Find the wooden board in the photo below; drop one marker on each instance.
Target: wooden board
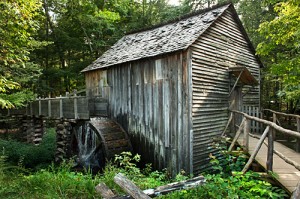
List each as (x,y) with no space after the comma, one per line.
(288,175)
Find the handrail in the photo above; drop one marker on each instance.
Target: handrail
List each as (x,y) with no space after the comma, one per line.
(284,114)
(271,124)
(271,128)
(297,125)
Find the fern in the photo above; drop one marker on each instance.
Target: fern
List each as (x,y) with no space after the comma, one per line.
(3,165)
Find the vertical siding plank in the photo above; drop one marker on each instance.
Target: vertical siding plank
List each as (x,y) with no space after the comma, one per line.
(185,103)
(190,105)
(156,124)
(180,114)
(174,113)
(166,109)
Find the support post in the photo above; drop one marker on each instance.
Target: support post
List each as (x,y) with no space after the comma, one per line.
(228,123)
(270,150)
(274,120)
(246,134)
(75,105)
(60,107)
(298,140)
(237,135)
(40,106)
(258,146)
(49,106)
(232,126)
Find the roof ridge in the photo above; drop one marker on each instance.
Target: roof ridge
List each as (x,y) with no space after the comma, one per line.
(179,18)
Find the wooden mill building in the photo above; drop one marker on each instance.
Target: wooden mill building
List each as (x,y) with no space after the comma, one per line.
(170,86)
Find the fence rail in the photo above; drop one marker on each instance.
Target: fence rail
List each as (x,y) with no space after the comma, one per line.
(70,106)
(270,130)
(289,121)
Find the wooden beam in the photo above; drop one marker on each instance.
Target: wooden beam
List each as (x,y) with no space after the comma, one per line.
(186,184)
(130,187)
(237,135)
(104,191)
(283,114)
(236,82)
(271,124)
(298,139)
(274,120)
(75,105)
(228,123)
(258,146)
(40,106)
(246,134)
(60,107)
(270,150)
(49,106)
(286,159)
(296,192)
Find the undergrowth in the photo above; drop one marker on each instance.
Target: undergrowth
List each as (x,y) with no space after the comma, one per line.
(29,155)
(63,182)
(221,183)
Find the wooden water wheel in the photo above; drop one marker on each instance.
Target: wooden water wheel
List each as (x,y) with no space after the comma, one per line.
(113,137)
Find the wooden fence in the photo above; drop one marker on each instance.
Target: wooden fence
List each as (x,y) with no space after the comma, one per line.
(288,121)
(69,107)
(270,130)
(255,112)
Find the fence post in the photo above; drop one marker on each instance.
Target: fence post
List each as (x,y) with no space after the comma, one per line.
(258,146)
(60,107)
(246,134)
(40,106)
(270,149)
(298,140)
(275,121)
(49,106)
(232,127)
(75,105)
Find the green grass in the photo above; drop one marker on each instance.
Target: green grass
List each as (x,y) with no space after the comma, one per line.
(29,155)
(60,181)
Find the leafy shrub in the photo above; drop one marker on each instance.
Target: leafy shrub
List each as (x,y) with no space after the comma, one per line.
(54,182)
(242,186)
(29,155)
(126,163)
(226,162)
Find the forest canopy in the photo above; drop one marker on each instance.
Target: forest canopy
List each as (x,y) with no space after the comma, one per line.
(44,44)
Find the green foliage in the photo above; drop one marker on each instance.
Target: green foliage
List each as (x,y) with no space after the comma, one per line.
(53,182)
(242,186)
(18,24)
(281,48)
(32,156)
(146,178)
(62,182)
(225,162)
(128,162)
(223,184)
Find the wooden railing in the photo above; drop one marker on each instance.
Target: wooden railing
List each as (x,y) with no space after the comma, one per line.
(269,131)
(282,119)
(70,106)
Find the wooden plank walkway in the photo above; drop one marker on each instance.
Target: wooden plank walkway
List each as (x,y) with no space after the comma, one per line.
(288,175)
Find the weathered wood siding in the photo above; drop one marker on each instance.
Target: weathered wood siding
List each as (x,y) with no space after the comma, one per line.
(150,99)
(96,83)
(221,46)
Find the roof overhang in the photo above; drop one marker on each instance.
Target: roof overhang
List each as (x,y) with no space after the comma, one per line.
(244,75)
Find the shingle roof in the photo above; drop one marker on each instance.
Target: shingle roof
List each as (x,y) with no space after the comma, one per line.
(164,39)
